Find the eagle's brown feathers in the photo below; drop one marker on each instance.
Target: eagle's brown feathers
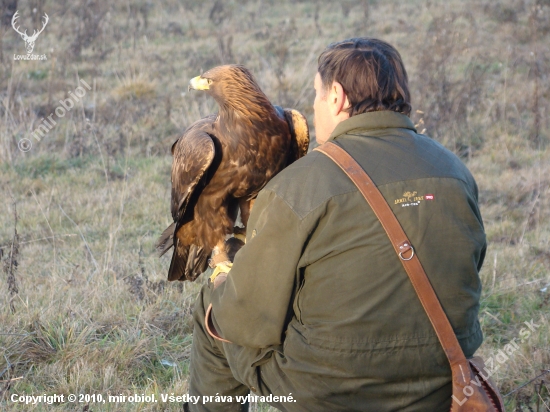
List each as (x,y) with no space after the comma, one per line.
(222,160)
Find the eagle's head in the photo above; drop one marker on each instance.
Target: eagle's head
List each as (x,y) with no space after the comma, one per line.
(234,88)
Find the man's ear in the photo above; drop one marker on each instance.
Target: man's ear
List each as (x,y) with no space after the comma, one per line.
(338,100)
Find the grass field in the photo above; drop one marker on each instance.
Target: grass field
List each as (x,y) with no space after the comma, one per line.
(84,306)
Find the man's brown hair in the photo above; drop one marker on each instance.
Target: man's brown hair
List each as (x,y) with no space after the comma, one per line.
(371,73)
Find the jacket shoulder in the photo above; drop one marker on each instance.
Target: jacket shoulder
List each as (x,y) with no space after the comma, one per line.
(309,182)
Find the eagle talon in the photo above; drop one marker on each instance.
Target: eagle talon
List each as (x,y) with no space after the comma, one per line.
(223,267)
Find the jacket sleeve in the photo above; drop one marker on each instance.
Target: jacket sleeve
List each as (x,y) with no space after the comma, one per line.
(250,308)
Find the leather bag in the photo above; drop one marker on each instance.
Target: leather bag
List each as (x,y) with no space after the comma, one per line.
(473,391)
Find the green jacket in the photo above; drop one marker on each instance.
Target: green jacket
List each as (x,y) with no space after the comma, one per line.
(318,286)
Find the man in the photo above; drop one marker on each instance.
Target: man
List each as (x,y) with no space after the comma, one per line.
(317,304)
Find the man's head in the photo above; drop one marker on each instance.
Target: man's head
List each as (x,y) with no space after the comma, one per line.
(357,76)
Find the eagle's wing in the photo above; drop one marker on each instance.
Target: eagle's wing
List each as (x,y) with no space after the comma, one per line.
(193,153)
(192,156)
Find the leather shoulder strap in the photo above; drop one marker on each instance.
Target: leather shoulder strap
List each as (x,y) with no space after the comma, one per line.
(405,251)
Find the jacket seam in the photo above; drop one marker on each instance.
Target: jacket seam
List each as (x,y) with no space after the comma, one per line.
(397,339)
(421,178)
(405,343)
(324,202)
(352,190)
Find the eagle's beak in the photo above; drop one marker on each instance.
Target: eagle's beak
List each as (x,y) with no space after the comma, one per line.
(199,83)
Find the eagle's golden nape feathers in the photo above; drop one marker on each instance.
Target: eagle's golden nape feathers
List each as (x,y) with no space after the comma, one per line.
(221,163)
(247,100)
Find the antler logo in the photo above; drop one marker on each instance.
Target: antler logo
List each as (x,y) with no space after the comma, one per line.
(408,195)
(29,40)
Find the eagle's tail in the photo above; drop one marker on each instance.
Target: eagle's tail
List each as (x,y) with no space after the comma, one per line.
(188,262)
(166,240)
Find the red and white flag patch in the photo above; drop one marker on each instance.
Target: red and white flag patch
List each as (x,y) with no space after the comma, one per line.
(429,197)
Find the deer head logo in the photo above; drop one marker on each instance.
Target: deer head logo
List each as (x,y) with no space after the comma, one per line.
(29,40)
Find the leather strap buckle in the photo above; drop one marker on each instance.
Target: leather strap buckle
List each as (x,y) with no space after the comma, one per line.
(405,247)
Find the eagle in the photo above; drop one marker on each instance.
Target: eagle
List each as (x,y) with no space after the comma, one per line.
(221,162)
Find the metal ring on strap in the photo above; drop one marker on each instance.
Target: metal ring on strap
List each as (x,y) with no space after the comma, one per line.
(406,259)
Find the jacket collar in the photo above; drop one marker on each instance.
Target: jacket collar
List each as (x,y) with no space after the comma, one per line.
(373,120)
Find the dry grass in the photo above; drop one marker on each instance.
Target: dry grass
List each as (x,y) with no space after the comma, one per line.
(83,303)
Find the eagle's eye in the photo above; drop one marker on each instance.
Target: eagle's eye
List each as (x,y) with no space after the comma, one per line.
(210,81)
